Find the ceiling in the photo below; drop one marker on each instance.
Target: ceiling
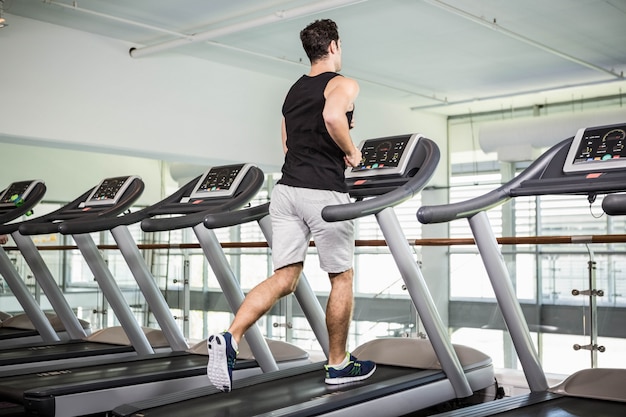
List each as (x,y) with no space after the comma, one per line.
(443,56)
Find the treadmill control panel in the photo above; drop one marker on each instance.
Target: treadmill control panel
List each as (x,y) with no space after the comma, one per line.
(16,192)
(220,181)
(597,148)
(109,191)
(384,156)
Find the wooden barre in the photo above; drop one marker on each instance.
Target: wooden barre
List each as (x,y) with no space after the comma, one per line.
(521,240)
(527,240)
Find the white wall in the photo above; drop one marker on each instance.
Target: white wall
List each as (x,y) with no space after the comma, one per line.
(67,90)
(70,88)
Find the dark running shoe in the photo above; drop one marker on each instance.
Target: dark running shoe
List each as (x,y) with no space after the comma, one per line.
(355,370)
(222,358)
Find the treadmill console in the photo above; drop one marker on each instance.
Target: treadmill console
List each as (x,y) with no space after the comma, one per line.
(597,149)
(109,191)
(220,181)
(17,190)
(384,156)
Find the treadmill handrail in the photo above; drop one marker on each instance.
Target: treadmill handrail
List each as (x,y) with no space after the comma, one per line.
(50,223)
(256,178)
(349,211)
(80,226)
(233,218)
(614,204)
(464,209)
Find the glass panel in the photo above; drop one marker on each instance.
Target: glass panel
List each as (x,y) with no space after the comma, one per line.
(468,278)
(488,341)
(613,356)
(561,274)
(526,276)
(254,268)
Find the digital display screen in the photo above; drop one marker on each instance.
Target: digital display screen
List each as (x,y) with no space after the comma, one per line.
(220,181)
(384,156)
(597,148)
(109,191)
(20,189)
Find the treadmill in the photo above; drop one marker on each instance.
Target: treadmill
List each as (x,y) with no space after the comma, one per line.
(591,163)
(98,386)
(220,190)
(32,326)
(411,374)
(17,200)
(109,198)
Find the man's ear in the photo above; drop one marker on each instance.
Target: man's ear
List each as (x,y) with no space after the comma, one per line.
(332,48)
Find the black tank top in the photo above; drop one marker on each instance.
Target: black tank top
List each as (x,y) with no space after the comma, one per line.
(313,159)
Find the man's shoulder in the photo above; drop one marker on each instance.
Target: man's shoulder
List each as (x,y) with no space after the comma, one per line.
(343,82)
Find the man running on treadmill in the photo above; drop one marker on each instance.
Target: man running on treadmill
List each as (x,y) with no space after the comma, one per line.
(317,117)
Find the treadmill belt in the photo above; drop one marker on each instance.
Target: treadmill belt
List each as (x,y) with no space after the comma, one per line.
(69,380)
(304,393)
(11,410)
(542,404)
(62,350)
(13,333)
(571,407)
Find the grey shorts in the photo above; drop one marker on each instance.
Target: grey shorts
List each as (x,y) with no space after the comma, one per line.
(296,215)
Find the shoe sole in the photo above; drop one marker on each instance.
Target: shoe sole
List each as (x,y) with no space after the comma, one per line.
(217,368)
(348,379)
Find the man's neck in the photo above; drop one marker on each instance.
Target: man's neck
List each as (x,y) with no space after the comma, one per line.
(321,67)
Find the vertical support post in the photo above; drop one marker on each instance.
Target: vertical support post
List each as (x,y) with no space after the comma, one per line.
(48,285)
(420,295)
(113,294)
(26,300)
(288,319)
(149,289)
(186,295)
(233,293)
(593,309)
(592,293)
(507,301)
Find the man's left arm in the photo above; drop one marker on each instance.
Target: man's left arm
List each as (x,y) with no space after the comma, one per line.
(283,134)
(339,100)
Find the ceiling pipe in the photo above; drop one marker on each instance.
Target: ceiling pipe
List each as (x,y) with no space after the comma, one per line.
(282,15)
(74,6)
(511,95)
(493,25)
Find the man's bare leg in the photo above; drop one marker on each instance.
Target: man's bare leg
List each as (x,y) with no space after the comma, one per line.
(339,314)
(222,347)
(262,297)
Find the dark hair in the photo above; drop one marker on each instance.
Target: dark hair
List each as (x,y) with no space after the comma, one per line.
(316,38)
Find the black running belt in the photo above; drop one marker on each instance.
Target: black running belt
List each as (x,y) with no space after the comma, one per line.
(11,410)
(68,380)
(304,393)
(58,351)
(544,404)
(571,407)
(12,333)
(73,379)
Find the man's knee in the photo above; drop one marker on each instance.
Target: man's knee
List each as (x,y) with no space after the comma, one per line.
(345,275)
(288,277)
